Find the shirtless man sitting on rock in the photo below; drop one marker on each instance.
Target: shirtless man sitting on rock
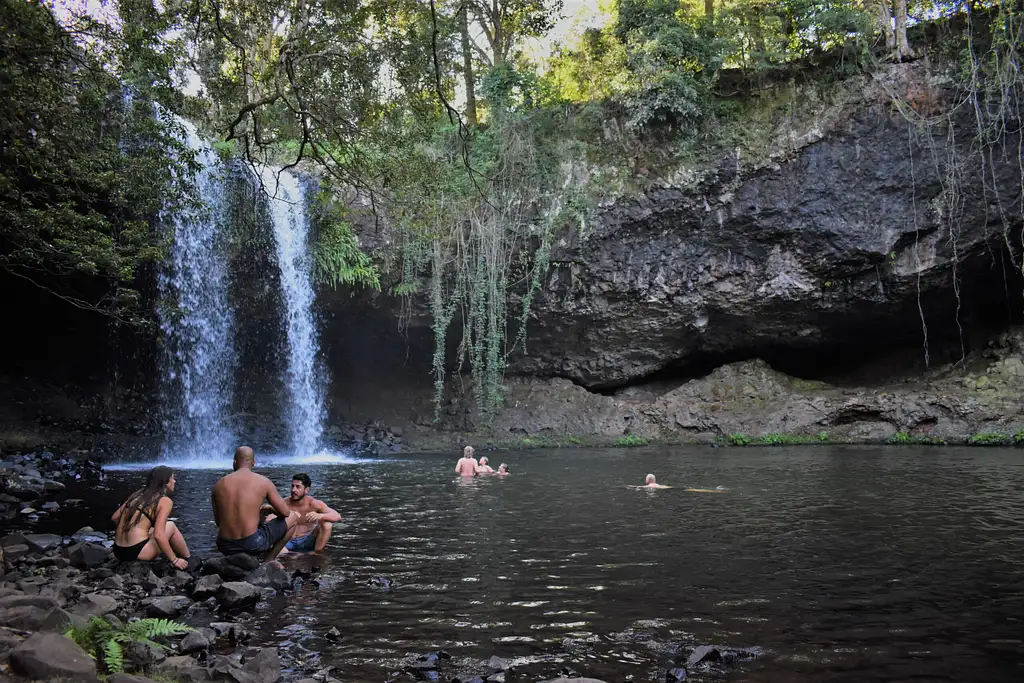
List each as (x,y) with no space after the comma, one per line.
(237,500)
(316,518)
(467,466)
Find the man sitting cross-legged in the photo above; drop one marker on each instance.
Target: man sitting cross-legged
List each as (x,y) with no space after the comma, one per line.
(316,519)
(237,501)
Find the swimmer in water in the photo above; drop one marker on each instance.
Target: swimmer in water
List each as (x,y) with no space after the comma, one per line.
(467,466)
(651,483)
(503,470)
(484,468)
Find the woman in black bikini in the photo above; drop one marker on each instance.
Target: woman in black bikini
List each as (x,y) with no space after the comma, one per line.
(143,530)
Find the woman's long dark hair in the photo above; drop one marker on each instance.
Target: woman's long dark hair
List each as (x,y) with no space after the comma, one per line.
(145,499)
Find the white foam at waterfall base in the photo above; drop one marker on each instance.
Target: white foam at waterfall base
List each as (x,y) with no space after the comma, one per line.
(304,377)
(323,457)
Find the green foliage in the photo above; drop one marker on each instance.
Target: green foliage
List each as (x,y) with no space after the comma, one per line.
(1018,438)
(630,441)
(103,642)
(83,171)
(900,438)
(822,436)
(989,439)
(337,258)
(739,439)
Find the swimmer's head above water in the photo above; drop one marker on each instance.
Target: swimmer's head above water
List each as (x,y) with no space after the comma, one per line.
(483,460)
(649,479)
(467,452)
(503,469)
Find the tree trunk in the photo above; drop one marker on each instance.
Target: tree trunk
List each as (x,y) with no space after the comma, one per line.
(467,68)
(902,44)
(709,10)
(885,21)
(497,45)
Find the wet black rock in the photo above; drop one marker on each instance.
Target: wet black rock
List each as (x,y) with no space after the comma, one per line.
(379,582)
(46,656)
(169,607)
(703,653)
(88,555)
(270,575)
(675,675)
(496,663)
(87,534)
(234,594)
(32,613)
(234,633)
(333,634)
(207,587)
(232,567)
(40,543)
(94,604)
(197,641)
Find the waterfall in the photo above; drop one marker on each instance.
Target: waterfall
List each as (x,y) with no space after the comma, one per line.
(304,382)
(196,320)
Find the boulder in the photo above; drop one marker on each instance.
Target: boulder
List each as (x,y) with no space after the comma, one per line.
(207,587)
(704,653)
(13,552)
(197,641)
(32,613)
(169,607)
(223,568)
(496,663)
(94,604)
(13,539)
(244,561)
(46,656)
(40,543)
(238,594)
(87,555)
(181,668)
(87,534)
(235,633)
(266,666)
(270,575)
(114,582)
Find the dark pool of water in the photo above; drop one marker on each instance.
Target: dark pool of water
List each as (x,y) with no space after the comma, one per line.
(843,564)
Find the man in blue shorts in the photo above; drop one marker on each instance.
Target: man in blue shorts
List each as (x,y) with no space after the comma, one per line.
(316,519)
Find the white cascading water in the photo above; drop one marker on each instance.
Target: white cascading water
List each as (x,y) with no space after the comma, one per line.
(197,321)
(304,381)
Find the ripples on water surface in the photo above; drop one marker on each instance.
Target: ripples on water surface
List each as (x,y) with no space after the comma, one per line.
(843,564)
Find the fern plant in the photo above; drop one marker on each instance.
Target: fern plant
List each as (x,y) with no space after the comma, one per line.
(104,642)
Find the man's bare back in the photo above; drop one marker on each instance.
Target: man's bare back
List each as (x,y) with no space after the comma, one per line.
(467,467)
(237,499)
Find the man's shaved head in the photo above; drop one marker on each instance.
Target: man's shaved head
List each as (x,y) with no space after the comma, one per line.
(244,457)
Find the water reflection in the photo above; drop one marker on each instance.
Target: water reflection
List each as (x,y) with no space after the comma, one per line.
(843,564)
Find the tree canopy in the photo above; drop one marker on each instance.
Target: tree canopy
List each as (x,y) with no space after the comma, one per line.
(473,150)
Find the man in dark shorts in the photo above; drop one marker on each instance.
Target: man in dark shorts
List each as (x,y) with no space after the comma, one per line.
(237,499)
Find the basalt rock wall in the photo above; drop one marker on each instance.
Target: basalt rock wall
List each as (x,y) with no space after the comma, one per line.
(867,251)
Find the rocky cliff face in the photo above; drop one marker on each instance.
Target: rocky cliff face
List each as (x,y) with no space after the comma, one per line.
(868,236)
(855,243)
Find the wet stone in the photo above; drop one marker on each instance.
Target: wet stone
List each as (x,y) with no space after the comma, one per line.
(169,607)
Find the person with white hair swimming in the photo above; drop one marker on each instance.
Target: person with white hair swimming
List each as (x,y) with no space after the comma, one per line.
(650,482)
